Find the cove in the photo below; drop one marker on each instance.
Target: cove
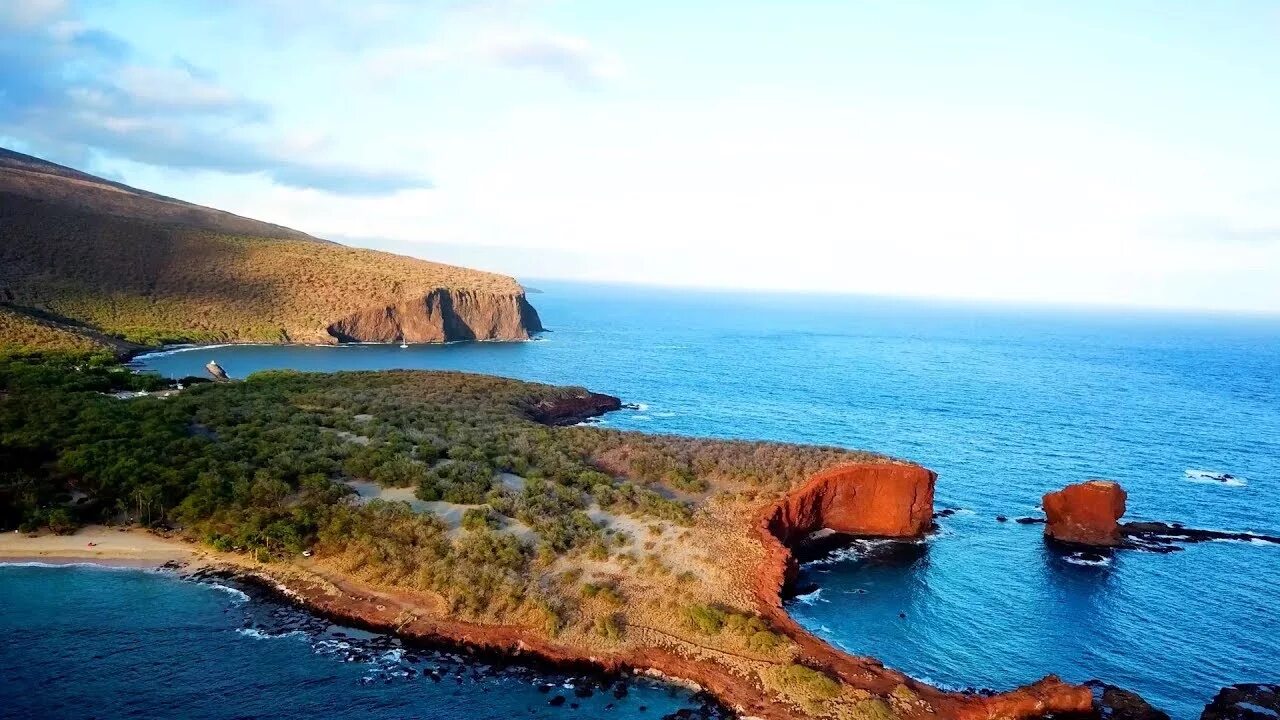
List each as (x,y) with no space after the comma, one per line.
(1004,403)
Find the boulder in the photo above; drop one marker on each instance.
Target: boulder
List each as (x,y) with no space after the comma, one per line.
(1115,703)
(1247,701)
(1085,513)
(216,371)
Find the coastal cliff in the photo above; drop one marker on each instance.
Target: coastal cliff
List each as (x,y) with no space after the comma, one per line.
(442,315)
(95,258)
(881,500)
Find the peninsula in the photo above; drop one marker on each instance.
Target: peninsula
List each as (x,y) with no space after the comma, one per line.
(435,505)
(89,263)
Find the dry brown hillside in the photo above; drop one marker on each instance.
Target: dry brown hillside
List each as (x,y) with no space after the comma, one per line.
(86,251)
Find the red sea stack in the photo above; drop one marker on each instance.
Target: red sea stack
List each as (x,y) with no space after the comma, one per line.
(1085,513)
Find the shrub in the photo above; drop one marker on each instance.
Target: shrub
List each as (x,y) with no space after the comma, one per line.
(479,519)
(609,627)
(804,686)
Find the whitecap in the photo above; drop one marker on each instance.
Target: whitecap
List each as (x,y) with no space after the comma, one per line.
(664,414)
(72,564)
(856,550)
(260,635)
(1213,477)
(810,598)
(238,594)
(1087,562)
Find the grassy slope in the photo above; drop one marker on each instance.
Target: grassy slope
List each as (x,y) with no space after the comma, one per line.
(152,269)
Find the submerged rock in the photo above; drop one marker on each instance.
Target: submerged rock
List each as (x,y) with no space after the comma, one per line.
(1086,513)
(1246,701)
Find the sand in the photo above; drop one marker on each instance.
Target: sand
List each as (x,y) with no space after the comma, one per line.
(110,546)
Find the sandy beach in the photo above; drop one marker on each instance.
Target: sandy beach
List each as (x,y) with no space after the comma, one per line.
(96,544)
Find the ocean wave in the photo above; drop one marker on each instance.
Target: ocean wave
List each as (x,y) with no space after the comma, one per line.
(1087,562)
(82,565)
(238,594)
(857,549)
(810,598)
(261,635)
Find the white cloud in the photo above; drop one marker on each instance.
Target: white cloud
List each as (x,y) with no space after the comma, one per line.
(567,57)
(571,58)
(68,90)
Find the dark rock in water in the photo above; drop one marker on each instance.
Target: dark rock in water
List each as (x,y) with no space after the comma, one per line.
(945,512)
(573,409)
(545,688)
(1001,518)
(1114,703)
(805,588)
(1159,537)
(620,691)
(216,371)
(556,701)
(583,691)
(1246,701)
(1029,521)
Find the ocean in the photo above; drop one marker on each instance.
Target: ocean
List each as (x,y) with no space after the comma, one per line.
(90,642)
(1005,403)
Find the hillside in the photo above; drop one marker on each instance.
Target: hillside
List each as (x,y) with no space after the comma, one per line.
(81,251)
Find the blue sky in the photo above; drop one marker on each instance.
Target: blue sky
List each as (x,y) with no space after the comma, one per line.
(1087,152)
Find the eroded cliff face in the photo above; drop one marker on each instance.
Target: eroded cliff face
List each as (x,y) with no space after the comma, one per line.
(1086,513)
(885,500)
(874,499)
(442,315)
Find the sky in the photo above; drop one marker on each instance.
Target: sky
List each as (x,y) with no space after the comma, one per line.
(1092,152)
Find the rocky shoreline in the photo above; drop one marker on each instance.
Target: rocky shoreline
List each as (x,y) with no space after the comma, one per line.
(829,497)
(834,499)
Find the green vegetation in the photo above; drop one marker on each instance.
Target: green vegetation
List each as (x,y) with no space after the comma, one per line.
(751,631)
(20,333)
(804,686)
(260,467)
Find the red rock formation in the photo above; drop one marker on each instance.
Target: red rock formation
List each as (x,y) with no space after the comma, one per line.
(441,316)
(876,499)
(1085,513)
(888,500)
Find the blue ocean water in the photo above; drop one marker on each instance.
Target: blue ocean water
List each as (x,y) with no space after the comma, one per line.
(84,642)
(1005,404)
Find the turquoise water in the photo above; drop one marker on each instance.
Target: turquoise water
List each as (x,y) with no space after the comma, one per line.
(83,642)
(1005,404)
